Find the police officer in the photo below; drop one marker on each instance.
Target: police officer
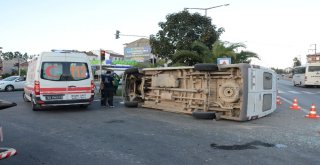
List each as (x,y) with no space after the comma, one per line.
(107,89)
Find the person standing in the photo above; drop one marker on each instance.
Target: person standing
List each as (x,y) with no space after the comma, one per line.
(108,89)
(116,82)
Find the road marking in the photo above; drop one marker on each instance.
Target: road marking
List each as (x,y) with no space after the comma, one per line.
(294,92)
(290,102)
(279,91)
(308,92)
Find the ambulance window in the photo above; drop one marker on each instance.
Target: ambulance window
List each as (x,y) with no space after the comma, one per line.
(51,70)
(79,71)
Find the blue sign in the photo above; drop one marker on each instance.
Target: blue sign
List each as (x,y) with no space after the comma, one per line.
(137,51)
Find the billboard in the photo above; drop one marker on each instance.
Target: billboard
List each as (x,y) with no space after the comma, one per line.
(139,54)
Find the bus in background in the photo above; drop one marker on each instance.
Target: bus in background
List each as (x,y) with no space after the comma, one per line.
(307,75)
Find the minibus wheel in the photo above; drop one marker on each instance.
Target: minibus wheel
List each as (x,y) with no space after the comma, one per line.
(203,115)
(131,104)
(206,67)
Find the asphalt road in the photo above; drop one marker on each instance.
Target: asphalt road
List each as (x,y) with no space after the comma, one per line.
(71,135)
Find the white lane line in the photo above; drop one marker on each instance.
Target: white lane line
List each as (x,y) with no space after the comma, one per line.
(294,92)
(308,92)
(279,91)
(290,102)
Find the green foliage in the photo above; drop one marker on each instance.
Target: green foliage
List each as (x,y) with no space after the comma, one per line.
(180,31)
(223,49)
(143,65)
(23,72)
(245,57)
(186,57)
(202,50)
(11,55)
(296,62)
(227,49)
(6,75)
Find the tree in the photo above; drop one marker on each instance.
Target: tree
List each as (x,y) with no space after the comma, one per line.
(227,49)
(7,56)
(221,49)
(245,57)
(17,54)
(199,53)
(179,33)
(186,57)
(296,62)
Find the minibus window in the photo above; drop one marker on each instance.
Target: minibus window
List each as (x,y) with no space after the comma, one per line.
(267,81)
(314,68)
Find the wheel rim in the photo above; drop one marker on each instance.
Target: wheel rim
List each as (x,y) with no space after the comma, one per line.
(9,88)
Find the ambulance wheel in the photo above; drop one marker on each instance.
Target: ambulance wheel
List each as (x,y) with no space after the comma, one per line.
(24,97)
(206,67)
(84,106)
(35,106)
(131,104)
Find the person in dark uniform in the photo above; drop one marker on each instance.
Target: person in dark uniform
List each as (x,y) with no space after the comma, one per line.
(107,89)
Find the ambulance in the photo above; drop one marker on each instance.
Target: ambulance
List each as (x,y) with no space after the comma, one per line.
(58,78)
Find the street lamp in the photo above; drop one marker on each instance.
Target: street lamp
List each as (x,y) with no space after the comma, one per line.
(205,9)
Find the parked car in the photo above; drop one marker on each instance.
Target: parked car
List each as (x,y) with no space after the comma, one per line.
(12,83)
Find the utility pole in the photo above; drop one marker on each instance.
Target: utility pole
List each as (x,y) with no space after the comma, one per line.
(315,49)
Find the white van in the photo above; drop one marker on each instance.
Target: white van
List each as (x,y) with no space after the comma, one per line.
(307,75)
(59,78)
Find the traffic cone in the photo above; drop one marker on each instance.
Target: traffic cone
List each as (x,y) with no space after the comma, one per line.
(295,105)
(313,112)
(278,100)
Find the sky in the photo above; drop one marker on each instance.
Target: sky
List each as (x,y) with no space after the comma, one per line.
(277,30)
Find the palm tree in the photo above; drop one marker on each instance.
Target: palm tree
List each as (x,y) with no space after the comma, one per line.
(223,49)
(199,53)
(227,49)
(245,57)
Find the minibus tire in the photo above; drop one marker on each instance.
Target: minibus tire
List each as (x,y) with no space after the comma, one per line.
(131,104)
(203,115)
(131,71)
(206,67)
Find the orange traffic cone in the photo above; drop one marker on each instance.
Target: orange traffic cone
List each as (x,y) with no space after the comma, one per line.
(313,112)
(278,100)
(295,105)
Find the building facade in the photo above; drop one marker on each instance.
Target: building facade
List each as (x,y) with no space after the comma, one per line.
(313,58)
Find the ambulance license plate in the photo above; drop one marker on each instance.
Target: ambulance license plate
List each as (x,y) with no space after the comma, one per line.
(54,97)
(81,96)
